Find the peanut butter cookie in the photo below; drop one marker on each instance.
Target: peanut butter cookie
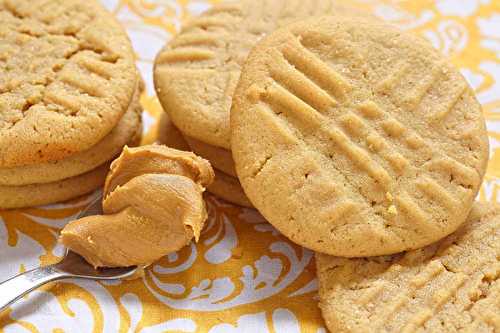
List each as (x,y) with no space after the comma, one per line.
(197,71)
(450,286)
(105,150)
(167,134)
(48,193)
(355,138)
(67,76)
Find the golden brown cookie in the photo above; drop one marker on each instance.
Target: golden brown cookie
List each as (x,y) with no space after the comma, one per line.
(357,139)
(169,135)
(196,73)
(43,194)
(450,286)
(129,126)
(67,76)
(220,158)
(229,189)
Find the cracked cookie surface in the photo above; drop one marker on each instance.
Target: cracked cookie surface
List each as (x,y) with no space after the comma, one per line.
(450,286)
(197,71)
(67,75)
(129,127)
(357,139)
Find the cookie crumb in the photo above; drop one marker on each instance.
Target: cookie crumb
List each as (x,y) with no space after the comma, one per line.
(254,93)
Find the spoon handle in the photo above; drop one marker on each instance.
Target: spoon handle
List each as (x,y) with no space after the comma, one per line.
(18,286)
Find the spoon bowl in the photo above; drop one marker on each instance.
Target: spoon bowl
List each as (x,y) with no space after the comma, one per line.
(71,266)
(74,264)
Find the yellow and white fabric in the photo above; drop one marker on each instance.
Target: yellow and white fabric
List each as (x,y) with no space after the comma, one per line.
(243,276)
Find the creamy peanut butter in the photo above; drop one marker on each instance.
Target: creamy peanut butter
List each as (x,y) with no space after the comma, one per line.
(153,205)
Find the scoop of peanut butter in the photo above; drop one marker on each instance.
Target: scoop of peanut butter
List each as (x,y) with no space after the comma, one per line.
(153,205)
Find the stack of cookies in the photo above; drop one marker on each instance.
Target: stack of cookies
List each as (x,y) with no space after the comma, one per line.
(197,71)
(353,138)
(69,99)
(356,140)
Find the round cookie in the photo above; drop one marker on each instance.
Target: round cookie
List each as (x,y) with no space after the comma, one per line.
(220,158)
(229,189)
(67,75)
(196,73)
(450,286)
(357,139)
(44,194)
(47,172)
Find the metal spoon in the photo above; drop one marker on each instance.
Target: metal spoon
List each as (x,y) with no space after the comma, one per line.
(71,266)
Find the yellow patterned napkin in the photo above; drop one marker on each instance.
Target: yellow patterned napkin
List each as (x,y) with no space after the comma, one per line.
(242,276)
